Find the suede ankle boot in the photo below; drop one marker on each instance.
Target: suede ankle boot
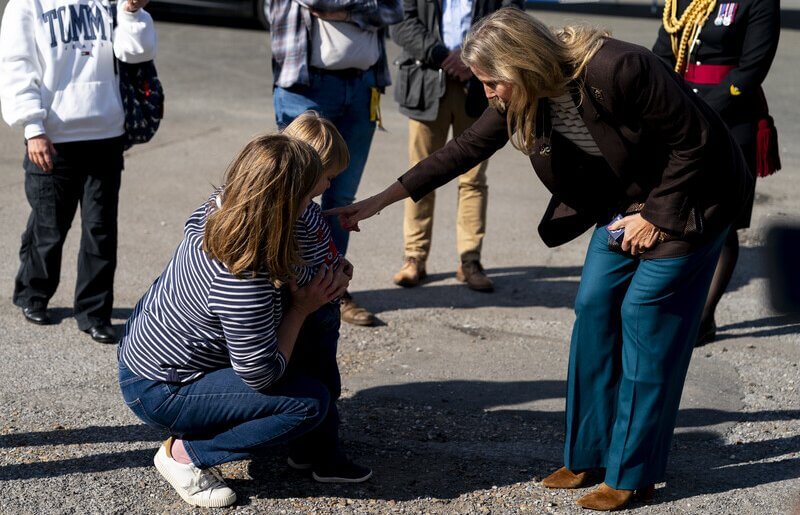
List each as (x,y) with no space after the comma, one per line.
(565,478)
(605,498)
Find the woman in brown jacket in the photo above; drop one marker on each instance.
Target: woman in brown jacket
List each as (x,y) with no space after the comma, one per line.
(625,148)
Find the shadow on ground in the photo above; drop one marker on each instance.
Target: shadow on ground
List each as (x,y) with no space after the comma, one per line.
(442,440)
(761,328)
(59,314)
(524,286)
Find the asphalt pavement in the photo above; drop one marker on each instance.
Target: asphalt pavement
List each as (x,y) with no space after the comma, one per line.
(456,398)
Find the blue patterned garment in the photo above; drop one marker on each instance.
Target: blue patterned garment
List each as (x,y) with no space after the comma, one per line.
(198,317)
(290,23)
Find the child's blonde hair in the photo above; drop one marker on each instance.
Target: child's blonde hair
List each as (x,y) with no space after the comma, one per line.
(252,231)
(321,134)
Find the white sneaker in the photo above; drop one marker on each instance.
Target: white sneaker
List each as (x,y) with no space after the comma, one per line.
(199,487)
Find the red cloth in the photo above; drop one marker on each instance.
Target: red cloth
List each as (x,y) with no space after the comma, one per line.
(706,74)
(768,159)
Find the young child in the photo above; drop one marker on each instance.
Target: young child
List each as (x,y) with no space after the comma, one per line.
(312,230)
(204,355)
(316,355)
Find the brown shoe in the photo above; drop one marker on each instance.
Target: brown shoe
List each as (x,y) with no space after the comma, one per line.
(471,272)
(354,314)
(565,478)
(411,273)
(605,498)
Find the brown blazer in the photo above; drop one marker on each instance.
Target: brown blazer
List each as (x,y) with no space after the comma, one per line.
(661,145)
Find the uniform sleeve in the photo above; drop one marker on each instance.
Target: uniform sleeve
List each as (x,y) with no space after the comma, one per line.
(479,142)
(655,96)
(758,51)
(20,70)
(135,36)
(416,40)
(246,311)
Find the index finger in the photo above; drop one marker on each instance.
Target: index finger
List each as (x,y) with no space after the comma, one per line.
(319,276)
(48,160)
(335,211)
(616,225)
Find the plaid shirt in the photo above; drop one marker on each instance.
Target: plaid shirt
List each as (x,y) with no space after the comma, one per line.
(290,25)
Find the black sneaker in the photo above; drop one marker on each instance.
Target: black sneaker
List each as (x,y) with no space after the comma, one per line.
(297,463)
(341,470)
(707,334)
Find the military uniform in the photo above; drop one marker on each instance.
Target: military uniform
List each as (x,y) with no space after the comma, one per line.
(726,66)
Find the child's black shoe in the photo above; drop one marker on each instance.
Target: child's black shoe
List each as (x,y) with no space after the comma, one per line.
(340,469)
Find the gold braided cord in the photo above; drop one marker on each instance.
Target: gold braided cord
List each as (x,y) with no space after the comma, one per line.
(684,30)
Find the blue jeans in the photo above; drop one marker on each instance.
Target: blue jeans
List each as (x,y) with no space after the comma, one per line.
(635,328)
(222,419)
(344,101)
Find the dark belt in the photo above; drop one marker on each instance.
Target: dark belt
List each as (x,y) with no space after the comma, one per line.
(347,73)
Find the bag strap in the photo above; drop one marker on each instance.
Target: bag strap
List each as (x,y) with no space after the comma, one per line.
(112,8)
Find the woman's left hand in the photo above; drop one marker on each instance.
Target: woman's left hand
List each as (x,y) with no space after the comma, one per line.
(639,236)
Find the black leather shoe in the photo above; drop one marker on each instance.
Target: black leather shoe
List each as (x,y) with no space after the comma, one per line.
(36,315)
(708,333)
(102,333)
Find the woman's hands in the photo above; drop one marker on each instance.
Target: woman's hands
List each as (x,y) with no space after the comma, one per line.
(639,236)
(349,216)
(455,67)
(324,287)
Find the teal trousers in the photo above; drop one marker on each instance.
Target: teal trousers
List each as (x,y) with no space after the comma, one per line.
(635,328)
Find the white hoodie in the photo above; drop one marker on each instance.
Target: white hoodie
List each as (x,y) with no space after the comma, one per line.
(57,66)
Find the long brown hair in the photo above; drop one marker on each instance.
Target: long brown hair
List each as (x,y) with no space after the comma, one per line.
(252,231)
(513,47)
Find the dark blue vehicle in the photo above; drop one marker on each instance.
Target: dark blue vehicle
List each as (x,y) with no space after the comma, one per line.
(244,9)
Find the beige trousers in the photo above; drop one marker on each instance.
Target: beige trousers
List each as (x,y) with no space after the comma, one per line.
(423,139)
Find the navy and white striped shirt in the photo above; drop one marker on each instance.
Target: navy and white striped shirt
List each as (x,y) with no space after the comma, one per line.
(198,317)
(567,120)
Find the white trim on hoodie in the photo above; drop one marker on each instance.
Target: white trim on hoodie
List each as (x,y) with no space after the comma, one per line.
(57,66)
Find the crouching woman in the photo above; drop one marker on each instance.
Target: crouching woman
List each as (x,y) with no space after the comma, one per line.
(204,355)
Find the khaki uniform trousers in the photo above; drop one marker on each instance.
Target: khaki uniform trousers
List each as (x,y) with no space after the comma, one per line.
(424,138)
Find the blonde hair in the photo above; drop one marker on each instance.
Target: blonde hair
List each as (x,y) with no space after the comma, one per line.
(323,136)
(252,231)
(683,31)
(513,47)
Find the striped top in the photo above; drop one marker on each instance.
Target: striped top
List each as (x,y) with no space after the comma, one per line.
(198,317)
(567,121)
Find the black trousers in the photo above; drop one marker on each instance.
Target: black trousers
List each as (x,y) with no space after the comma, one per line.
(314,356)
(85,173)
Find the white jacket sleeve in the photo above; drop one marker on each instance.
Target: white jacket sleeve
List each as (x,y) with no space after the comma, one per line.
(20,70)
(135,36)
